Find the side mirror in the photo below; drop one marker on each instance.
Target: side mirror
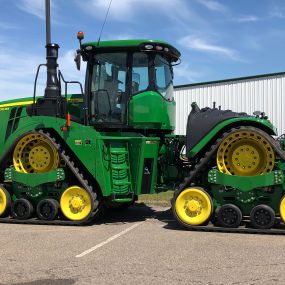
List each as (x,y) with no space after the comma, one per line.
(77,59)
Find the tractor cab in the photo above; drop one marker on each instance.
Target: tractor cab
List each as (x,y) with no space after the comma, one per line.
(129,83)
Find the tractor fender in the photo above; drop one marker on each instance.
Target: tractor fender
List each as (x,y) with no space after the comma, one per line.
(205,137)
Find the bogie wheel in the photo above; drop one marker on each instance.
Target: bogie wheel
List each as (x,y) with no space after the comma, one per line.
(228,216)
(76,203)
(245,152)
(282,209)
(22,209)
(5,202)
(193,206)
(47,209)
(35,154)
(262,217)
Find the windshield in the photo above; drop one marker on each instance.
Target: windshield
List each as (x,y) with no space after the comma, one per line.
(140,72)
(116,76)
(164,77)
(108,88)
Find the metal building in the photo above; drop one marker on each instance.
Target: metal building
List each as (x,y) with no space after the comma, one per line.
(245,94)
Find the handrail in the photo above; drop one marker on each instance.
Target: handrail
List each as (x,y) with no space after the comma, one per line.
(35,87)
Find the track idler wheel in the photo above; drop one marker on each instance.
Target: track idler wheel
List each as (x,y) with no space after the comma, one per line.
(245,152)
(35,154)
(22,209)
(5,202)
(193,206)
(282,209)
(262,217)
(228,216)
(47,209)
(76,203)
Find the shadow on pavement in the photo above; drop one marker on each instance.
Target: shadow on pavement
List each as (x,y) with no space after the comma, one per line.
(137,213)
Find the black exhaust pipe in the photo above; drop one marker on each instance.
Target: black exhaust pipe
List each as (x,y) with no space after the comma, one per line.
(52,103)
(52,89)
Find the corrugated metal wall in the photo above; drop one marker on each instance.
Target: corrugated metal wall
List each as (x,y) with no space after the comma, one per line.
(247,95)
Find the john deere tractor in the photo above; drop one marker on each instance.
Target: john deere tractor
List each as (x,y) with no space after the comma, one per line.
(64,157)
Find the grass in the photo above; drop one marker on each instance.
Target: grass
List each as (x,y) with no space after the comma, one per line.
(158,199)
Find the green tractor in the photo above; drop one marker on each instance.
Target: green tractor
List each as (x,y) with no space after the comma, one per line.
(64,157)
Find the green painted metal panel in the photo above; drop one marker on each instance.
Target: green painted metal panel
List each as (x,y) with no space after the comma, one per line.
(90,146)
(149,110)
(34,179)
(246,183)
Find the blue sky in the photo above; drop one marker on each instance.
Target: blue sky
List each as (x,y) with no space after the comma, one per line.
(218,39)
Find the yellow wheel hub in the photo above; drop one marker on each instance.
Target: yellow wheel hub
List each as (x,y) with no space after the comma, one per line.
(193,206)
(35,154)
(75,203)
(282,209)
(245,153)
(3,201)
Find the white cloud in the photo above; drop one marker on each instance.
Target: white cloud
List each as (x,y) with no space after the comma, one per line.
(184,72)
(128,10)
(277,12)
(248,18)
(17,74)
(18,70)
(34,7)
(213,5)
(37,8)
(195,43)
(7,26)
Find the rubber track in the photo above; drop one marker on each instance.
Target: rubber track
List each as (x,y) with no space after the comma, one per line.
(240,230)
(75,170)
(203,163)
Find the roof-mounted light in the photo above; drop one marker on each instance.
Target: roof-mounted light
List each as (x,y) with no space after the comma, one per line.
(80,35)
(159,48)
(148,47)
(88,48)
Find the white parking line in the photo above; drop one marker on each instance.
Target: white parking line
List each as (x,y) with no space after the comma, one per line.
(108,240)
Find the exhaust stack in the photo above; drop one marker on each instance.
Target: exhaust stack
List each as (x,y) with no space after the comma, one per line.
(52,103)
(52,89)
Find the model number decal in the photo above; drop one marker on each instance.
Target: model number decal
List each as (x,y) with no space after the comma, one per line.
(78,142)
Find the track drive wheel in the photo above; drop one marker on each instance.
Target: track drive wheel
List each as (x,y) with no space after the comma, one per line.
(76,203)
(245,152)
(5,202)
(193,206)
(47,209)
(22,209)
(228,216)
(35,154)
(262,217)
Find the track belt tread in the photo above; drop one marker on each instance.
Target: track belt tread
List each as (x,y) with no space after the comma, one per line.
(36,221)
(241,230)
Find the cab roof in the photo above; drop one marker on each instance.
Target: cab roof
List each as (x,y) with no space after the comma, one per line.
(133,44)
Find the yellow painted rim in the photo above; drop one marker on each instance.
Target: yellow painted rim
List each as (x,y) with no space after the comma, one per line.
(282,209)
(75,203)
(245,153)
(35,154)
(3,201)
(193,206)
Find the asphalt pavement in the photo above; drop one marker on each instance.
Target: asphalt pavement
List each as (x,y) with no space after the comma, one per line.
(141,245)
